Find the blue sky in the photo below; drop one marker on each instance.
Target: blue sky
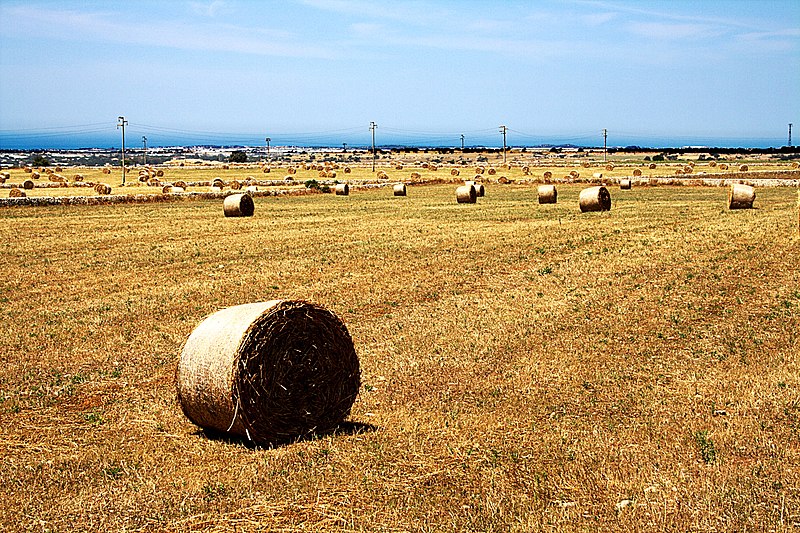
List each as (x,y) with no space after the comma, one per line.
(318,71)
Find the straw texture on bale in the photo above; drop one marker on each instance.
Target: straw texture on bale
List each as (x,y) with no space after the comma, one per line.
(743,168)
(238,205)
(342,189)
(269,372)
(454,172)
(595,199)
(16,193)
(491,171)
(625,184)
(399,189)
(235,185)
(466,194)
(609,167)
(547,194)
(741,196)
(637,172)
(27,184)
(415,175)
(382,175)
(547,175)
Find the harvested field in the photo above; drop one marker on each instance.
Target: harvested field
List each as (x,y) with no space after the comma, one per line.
(628,370)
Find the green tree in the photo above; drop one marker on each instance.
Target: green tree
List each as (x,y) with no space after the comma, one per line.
(40,161)
(238,156)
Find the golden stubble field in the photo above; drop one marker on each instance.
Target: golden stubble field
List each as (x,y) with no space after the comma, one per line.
(524,367)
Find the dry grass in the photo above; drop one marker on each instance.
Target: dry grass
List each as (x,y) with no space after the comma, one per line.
(525,367)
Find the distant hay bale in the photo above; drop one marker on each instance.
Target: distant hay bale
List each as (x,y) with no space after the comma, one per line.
(585,164)
(159,173)
(35,175)
(597,175)
(59,169)
(679,172)
(27,170)
(226,167)
(454,172)
(270,372)
(625,184)
(322,174)
(637,172)
(547,175)
(266,170)
(102,188)
(382,175)
(480,190)
(425,165)
(594,199)
(235,184)
(331,174)
(285,178)
(153,182)
(574,174)
(415,175)
(399,189)
(3,178)
(651,166)
(724,166)
(432,167)
(712,164)
(491,172)
(466,194)
(217,182)
(27,185)
(181,184)
(609,167)
(479,170)
(78,177)
(238,205)
(688,169)
(398,166)
(291,170)
(16,193)
(106,171)
(741,196)
(347,170)
(504,180)
(743,168)
(526,170)
(547,194)
(795,164)
(342,189)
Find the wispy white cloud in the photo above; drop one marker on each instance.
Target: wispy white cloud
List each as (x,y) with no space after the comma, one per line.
(672,30)
(211,8)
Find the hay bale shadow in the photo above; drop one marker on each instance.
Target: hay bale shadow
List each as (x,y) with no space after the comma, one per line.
(345,429)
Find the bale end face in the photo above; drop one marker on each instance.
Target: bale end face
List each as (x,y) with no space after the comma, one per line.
(238,205)
(547,194)
(399,189)
(741,196)
(342,189)
(269,372)
(466,194)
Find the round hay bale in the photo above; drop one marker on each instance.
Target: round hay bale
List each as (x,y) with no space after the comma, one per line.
(106,171)
(651,166)
(332,174)
(269,372)
(59,169)
(342,189)
(169,189)
(181,184)
(585,164)
(322,174)
(35,175)
(399,189)
(712,164)
(479,170)
(688,169)
(597,175)
(78,177)
(454,172)
(3,178)
(595,199)
(625,184)
(637,172)
(238,205)
(398,167)
(102,188)
(741,196)
(27,170)
(433,168)
(382,175)
(16,193)
(466,194)
(235,185)
(503,180)
(724,166)
(547,175)
(609,167)
(347,170)
(415,175)
(159,173)
(480,190)
(547,194)
(574,174)
(491,172)
(27,184)
(795,164)
(291,170)
(217,182)
(526,170)
(743,168)
(425,165)
(285,178)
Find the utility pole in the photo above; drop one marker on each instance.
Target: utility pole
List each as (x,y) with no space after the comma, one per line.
(372,127)
(344,147)
(144,142)
(503,130)
(790,134)
(267,141)
(605,147)
(462,142)
(122,123)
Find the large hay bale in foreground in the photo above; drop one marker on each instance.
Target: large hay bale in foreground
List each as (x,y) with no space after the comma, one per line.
(269,372)
(547,194)
(466,194)
(594,199)
(399,189)
(342,189)
(625,184)
(741,196)
(238,205)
